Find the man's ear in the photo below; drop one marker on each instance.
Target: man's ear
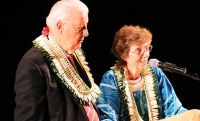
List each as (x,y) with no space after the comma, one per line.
(60,26)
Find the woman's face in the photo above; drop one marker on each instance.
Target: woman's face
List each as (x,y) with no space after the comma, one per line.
(138,55)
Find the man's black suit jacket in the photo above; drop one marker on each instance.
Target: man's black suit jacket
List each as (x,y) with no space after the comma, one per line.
(40,96)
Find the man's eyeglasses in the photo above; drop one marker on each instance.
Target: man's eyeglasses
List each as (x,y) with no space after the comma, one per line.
(81,28)
(141,50)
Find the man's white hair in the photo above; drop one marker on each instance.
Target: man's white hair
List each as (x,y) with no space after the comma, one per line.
(63,9)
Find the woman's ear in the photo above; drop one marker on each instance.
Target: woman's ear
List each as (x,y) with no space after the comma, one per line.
(124,58)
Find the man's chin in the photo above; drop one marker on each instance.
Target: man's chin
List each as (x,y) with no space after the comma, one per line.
(78,47)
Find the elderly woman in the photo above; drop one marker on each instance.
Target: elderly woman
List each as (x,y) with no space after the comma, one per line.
(131,89)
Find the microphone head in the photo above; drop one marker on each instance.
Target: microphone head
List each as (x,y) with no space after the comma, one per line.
(153,63)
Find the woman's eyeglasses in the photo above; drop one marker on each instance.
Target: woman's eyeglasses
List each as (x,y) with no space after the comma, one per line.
(143,49)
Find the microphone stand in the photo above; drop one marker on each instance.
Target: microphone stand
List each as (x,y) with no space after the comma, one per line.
(182,71)
(193,76)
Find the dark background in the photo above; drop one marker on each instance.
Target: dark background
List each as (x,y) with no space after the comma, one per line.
(175,29)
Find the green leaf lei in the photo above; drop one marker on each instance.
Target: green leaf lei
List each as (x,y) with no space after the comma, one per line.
(61,66)
(150,88)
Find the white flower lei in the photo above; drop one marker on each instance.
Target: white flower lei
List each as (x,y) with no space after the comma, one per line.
(65,71)
(149,87)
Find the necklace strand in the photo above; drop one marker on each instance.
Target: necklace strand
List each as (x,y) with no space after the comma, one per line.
(129,98)
(65,71)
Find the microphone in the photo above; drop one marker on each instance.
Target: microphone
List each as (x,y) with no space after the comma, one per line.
(166,66)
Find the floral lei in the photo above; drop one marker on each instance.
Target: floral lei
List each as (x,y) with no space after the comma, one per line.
(150,89)
(66,72)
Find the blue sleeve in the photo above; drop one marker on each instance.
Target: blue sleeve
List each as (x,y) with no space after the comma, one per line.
(170,103)
(109,100)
